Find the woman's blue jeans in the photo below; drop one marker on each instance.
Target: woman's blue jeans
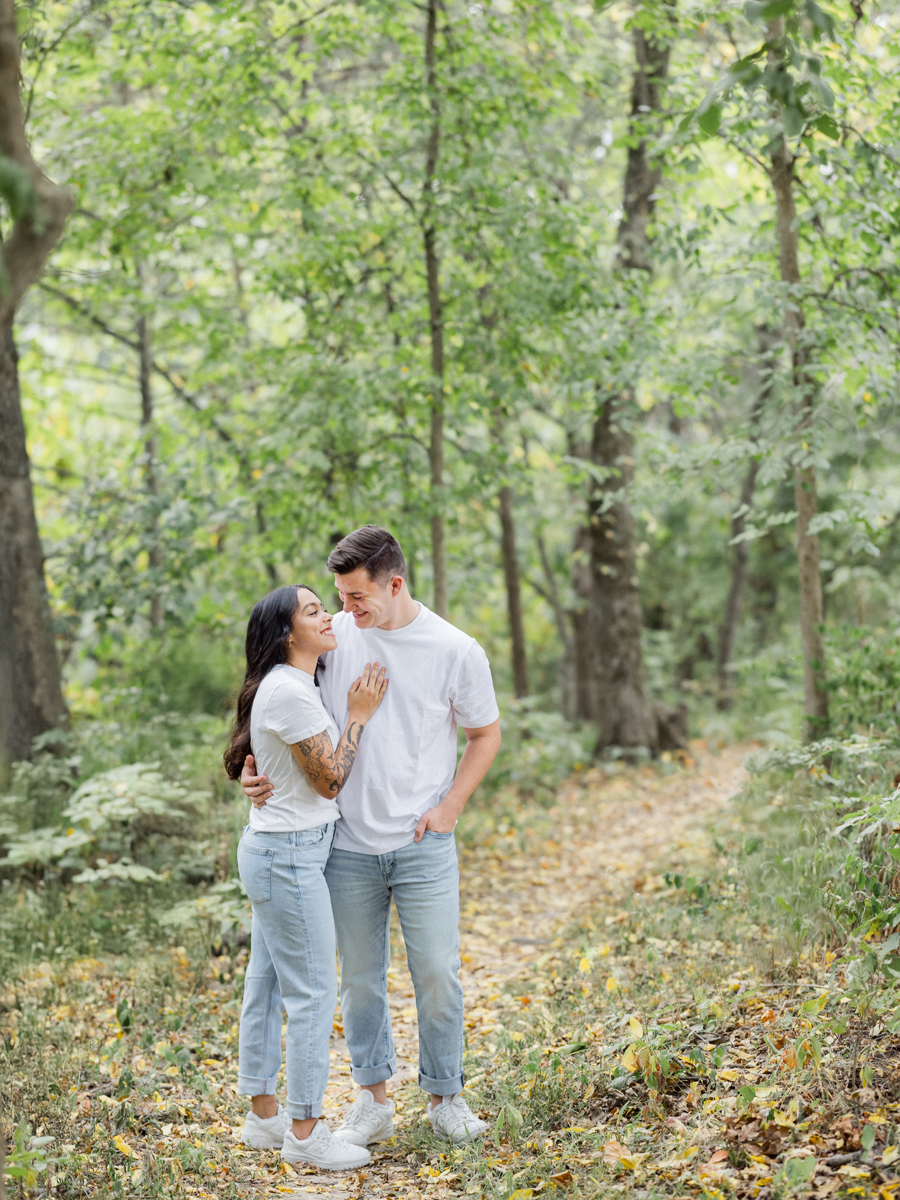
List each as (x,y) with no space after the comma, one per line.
(423,881)
(292,966)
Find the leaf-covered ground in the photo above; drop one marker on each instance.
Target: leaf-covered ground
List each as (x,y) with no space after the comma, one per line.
(629,1029)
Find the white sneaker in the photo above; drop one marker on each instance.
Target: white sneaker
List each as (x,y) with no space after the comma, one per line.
(265,1133)
(455,1122)
(367,1121)
(322,1149)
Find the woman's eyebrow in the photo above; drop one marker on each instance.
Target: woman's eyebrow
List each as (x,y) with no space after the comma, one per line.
(312,604)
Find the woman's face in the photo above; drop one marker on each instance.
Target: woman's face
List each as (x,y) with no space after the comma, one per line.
(311,627)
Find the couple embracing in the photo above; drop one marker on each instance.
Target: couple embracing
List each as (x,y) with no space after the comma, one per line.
(341,824)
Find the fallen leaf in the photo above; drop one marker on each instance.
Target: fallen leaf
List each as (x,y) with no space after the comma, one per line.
(562,1179)
(613,1151)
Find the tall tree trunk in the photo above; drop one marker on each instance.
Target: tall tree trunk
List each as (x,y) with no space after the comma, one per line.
(734,603)
(625,714)
(513,593)
(584,647)
(815,704)
(155,551)
(31,700)
(436,323)
(550,593)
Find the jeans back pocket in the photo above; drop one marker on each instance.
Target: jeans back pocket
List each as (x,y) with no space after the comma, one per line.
(255,867)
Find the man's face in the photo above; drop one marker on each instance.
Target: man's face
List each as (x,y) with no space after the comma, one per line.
(369,602)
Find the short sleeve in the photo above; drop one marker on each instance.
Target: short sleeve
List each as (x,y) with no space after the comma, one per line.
(293,716)
(472,695)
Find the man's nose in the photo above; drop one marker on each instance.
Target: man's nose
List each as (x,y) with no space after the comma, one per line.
(347,604)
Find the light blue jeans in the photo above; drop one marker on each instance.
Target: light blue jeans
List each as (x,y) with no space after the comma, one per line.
(423,880)
(291,968)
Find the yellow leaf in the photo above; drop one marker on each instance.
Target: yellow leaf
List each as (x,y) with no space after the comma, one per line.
(890,1154)
(517,1037)
(522,1194)
(584,966)
(687,1153)
(612,984)
(629,1059)
(631,1162)
(123,1147)
(729,1076)
(173,1070)
(603,950)
(636,1027)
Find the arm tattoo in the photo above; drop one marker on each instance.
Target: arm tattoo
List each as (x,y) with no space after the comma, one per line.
(323,764)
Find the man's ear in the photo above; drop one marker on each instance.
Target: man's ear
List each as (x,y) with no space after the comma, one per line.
(396,584)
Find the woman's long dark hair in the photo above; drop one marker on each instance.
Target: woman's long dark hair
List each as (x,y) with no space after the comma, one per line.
(268,631)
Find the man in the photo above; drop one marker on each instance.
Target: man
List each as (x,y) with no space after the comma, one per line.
(395,837)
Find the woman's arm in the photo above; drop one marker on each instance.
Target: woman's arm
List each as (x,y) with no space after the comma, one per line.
(327,767)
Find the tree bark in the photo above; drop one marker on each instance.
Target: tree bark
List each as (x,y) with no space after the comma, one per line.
(31,700)
(436,323)
(815,704)
(513,593)
(155,551)
(625,714)
(732,616)
(583,645)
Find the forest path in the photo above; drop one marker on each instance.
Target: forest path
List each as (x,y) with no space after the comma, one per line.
(523,888)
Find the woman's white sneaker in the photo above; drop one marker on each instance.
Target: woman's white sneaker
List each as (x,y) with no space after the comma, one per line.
(265,1133)
(455,1122)
(322,1149)
(367,1121)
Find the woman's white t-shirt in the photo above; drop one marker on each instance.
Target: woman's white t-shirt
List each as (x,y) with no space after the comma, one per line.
(286,710)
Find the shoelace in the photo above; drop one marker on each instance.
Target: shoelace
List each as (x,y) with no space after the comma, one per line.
(358,1118)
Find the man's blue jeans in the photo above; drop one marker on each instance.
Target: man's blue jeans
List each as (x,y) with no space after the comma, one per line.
(423,880)
(292,966)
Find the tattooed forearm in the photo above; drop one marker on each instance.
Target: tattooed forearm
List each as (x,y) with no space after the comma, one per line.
(327,768)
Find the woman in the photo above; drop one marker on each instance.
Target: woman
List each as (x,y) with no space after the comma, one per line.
(281,858)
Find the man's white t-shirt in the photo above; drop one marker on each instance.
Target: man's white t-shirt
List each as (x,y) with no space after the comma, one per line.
(286,710)
(439,678)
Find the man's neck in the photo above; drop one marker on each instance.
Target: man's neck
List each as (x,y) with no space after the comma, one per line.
(404,613)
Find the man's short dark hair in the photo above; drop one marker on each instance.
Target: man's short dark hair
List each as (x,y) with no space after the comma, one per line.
(371,547)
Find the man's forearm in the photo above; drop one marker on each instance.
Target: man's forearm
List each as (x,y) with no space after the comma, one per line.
(475,763)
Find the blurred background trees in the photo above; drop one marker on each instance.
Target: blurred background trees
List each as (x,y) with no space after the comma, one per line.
(594,305)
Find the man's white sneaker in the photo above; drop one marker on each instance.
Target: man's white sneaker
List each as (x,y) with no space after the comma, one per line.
(455,1122)
(367,1121)
(265,1133)
(322,1149)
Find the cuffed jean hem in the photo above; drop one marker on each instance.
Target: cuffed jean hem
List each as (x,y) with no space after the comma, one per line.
(366,1076)
(442,1087)
(250,1085)
(302,1112)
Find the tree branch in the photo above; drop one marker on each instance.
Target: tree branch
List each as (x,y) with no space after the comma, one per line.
(37,231)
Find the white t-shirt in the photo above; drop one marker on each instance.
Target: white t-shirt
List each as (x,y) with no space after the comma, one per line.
(286,710)
(439,678)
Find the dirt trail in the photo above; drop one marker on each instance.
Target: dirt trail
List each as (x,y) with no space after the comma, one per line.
(608,838)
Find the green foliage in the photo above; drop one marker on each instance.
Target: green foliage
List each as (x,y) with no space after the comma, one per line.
(102,826)
(29,1157)
(864,682)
